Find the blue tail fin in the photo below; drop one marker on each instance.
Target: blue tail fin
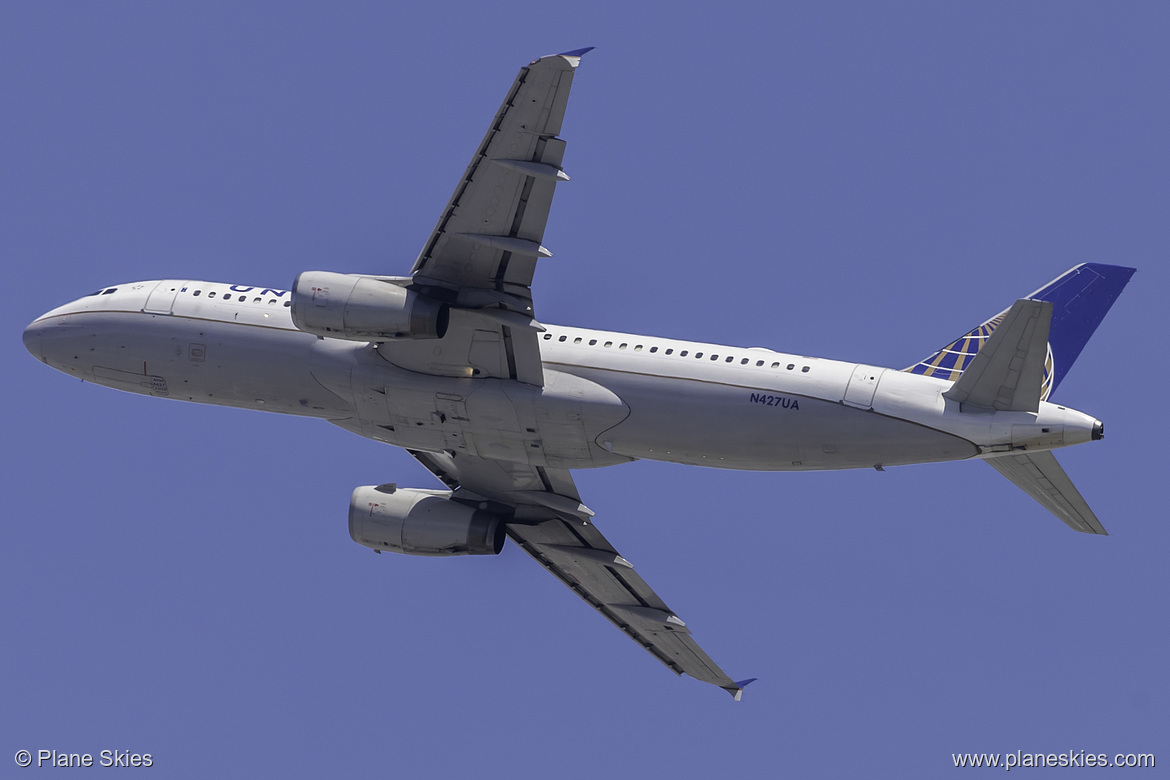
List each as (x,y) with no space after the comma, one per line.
(1081,297)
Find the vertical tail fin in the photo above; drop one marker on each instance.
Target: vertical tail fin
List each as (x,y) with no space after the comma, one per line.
(1080,297)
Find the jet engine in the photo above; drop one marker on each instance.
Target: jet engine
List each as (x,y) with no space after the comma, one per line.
(422,522)
(364,308)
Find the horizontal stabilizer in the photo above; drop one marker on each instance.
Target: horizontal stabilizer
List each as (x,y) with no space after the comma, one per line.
(1007,374)
(1039,475)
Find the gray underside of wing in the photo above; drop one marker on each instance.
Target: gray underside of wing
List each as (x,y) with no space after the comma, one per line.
(490,234)
(495,480)
(551,525)
(1040,475)
(482,253)
(581,557)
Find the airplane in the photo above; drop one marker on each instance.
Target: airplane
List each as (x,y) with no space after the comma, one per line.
(451,364)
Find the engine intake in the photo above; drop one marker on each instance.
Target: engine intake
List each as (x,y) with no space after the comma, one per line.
(422,522)
(364,308)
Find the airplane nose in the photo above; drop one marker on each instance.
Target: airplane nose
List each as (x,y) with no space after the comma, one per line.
(34,339)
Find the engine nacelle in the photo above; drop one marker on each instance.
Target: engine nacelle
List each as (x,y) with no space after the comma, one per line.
(364,308)
(422,522)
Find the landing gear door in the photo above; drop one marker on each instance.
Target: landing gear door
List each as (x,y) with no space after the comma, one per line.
(862,386)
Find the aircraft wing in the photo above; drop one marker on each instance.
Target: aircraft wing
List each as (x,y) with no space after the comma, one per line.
(553,526)
(481,256)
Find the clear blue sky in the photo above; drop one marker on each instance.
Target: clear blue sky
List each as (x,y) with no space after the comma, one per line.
(852,183)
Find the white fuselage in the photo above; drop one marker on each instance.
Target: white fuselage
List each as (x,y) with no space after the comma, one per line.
(607,397)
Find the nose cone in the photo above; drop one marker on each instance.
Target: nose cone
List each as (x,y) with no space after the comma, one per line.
(34,338)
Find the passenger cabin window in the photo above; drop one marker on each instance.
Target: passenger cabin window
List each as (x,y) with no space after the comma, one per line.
(562,338)
(759,362)
(287,304)
(775,365)
(791,366)
(653,349)
(196,293)
(609,343)
(211,294)
(670,351)
(547,336)
(593,342)
(804,370)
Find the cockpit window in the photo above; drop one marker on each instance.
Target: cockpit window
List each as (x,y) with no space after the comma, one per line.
(111,290)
